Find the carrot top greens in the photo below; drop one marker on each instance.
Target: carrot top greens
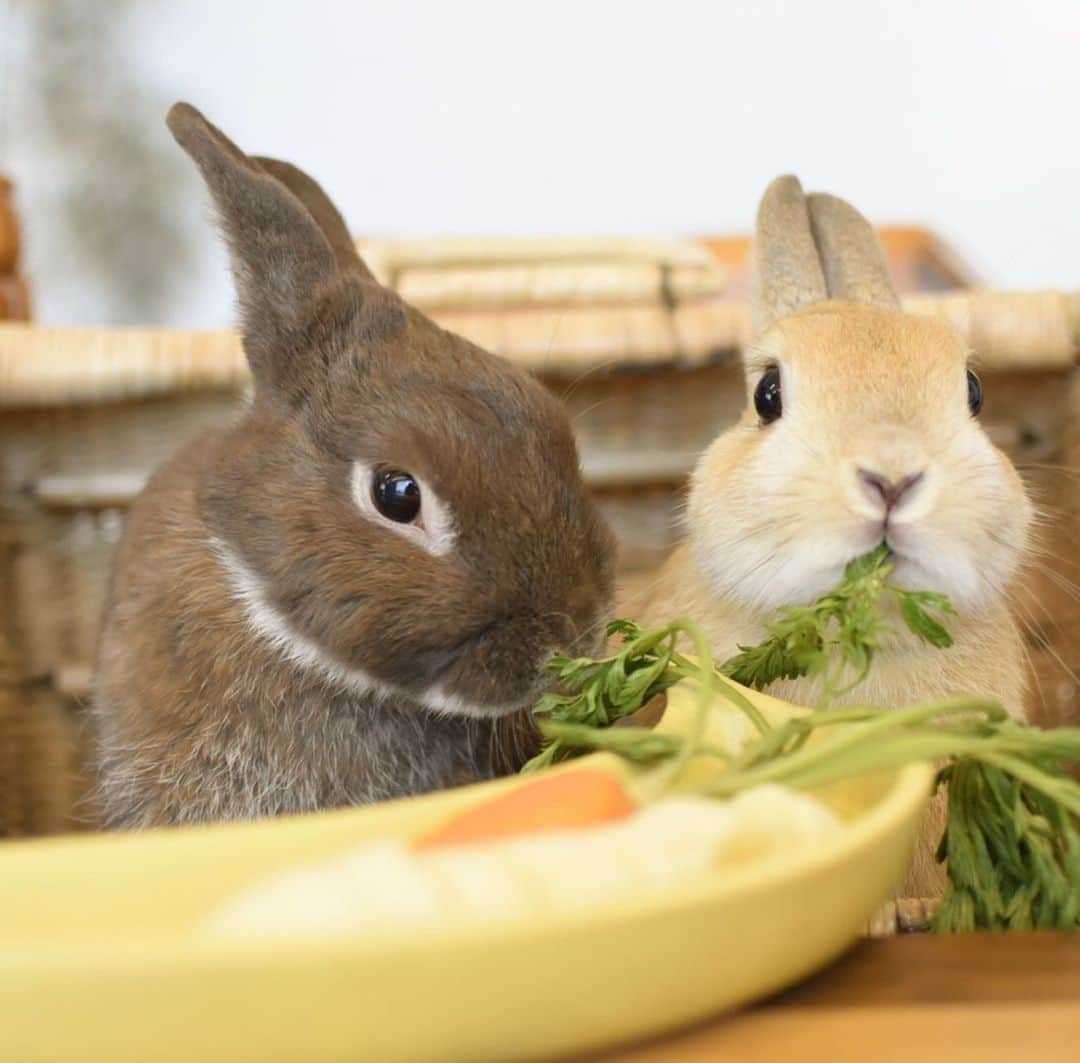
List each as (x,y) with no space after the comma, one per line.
(1012,840)
(837,636)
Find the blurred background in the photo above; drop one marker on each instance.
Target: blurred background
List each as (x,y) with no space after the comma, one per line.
(591,124)
(591,116)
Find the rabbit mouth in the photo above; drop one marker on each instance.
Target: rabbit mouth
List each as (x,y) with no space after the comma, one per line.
(453,691)
(905,566)
(498,666)
(910,572)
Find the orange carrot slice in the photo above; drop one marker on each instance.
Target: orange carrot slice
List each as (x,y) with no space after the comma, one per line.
(572,799)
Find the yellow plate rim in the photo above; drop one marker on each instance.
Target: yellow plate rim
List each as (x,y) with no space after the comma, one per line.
(186,950)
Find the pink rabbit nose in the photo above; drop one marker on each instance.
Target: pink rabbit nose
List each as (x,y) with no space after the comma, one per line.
(890,492)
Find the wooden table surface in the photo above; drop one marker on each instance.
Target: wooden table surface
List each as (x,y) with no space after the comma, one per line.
(917,998)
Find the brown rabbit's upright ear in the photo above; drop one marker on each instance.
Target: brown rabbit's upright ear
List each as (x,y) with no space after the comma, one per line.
(282,261)
(856,266)
(321,208)
(789,273)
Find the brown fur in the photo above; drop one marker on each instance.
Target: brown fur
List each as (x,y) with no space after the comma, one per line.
(200,717)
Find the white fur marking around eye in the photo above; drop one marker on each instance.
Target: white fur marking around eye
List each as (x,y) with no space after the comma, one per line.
(268,622)
(435,530)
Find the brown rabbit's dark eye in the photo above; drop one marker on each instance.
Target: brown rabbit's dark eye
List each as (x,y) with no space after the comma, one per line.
(767,396)
(974,391)
(396,495)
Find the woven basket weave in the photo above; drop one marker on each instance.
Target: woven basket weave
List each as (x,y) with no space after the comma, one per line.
(14,292)
(641,340)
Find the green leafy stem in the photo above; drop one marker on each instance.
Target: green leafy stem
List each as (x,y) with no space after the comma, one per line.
(1012,843)
(838,635)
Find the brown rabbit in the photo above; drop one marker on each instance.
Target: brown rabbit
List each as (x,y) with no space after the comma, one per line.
(346,594)
(860,428)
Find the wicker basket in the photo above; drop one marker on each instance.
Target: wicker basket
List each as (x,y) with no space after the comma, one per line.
(14,292)
(640,339)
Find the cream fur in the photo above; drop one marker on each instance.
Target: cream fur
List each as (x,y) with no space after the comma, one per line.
(776,511)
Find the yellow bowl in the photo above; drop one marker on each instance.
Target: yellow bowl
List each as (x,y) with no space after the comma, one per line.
(98,959)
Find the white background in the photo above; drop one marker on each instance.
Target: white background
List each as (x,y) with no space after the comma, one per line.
(665,117)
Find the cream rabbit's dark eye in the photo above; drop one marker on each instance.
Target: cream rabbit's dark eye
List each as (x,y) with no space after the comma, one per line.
(396,495)
(975,396)
(767,396)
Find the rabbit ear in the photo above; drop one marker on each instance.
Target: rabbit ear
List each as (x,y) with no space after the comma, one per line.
(789,273)
(321,208)
(856,266)
(281,259)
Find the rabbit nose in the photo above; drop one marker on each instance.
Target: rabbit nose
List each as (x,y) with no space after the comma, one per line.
(891,492)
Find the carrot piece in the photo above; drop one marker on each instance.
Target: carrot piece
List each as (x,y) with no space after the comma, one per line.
(582,798)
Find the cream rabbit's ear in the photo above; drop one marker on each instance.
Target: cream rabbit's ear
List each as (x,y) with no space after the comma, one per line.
(813,248)
(856,266)
(789,272)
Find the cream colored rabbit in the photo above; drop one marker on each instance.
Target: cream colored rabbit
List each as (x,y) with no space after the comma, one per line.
(861,429)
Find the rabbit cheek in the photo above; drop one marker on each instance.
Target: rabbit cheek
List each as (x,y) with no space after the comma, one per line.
(963,531)
(768,519)
(971,543)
